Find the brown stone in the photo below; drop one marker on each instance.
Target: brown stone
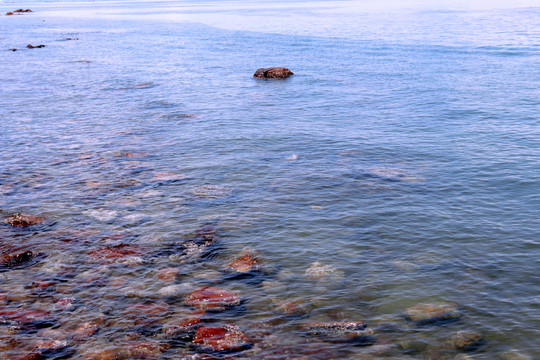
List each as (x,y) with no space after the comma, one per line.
(145,350)
(30,46)
(22,220)
(213,299)
(155,308)
(430,313)
(9,13)
(26,316)
(466,340)
(221,338)
(168,274)
(8,261)
(85,330)
(291,308)
(273,73)
(247,261)
(22,10)
(182,329)
(116,253)
(67,303)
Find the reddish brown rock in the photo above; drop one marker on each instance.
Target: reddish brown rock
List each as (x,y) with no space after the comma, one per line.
(168,274)
(34,355)
(145,350)
(433,313)
(20,259)
(85,330)
(154,308)
(273,73)
(213,299)
(64,304)
(30,46)
(9,13)
(182,329)
(247,261)
(221,338)
(148,314)
(116,253)
(22,10)
(291,308)
(22,220)
(26,316)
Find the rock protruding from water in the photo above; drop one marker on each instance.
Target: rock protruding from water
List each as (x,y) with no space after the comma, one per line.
(433,313)
(273,73)
(22,220)
(213,299)
(355,331)
(30,46)
(19,260)
(18,11)
(221,338)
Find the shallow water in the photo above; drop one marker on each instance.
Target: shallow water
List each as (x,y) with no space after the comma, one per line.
(404,153)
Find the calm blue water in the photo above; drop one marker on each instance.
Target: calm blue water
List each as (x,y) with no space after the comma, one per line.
(404,152)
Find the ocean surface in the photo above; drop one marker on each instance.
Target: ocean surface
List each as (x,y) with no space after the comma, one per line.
(399,165)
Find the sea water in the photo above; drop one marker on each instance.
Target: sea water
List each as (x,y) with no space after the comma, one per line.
(404,154)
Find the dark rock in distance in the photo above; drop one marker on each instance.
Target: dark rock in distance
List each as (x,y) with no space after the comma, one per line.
(273,73)
(30,46)
(22,10)
(221,339)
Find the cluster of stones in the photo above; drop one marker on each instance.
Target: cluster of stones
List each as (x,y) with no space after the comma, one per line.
(18,11)
(157,327)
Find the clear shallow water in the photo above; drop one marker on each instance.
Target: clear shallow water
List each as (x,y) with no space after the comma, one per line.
(404,153)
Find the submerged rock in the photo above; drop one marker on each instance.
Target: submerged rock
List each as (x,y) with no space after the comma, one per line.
(221,338)
(22,220)
(213,299)
(432,313)
(514,355)
(466,340)
(182,329)
(145,350)
(210,192)
(116,253)
(318,271)
(291,307)
(193,248)
(168,274)
(86,330)
(27,317)
(20,260)
(247,261)
(273,73)
(355,331)
(395,174)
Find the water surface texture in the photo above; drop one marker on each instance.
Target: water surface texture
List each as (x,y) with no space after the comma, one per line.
(399,165)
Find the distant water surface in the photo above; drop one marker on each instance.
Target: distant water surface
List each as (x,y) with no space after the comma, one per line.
(404,153)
